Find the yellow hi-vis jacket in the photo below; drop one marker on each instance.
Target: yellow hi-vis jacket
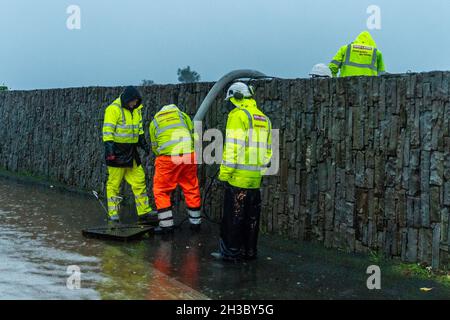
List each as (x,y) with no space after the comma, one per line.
(121,125)
(171,132)
(360,58)
(248,145)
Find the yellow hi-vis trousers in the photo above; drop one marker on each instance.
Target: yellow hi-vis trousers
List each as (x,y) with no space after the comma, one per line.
(136,178)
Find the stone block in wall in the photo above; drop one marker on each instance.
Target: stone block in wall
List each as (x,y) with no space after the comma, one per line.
(435,204)
(413,217)
(381,239)
(359,169)
(393,136)
(411,245)
(414,182)
(425,240)
(350,240)
(389,204)
(329,211)
(302,230)
(391,96)
(436,246)
(322,172)
(414,125)
(371,235)
(337,130)
(437,120)
(427,95)
(291,180)
(401,208)
(390,175)
(446,196)
(357,128)
(406,147)
(362,207)
(444,225)
(297,196)
(378,210)
(403,243)
(390,245)
(447,165)
(446,124)
(379,174)
(350,216)
(426,130)
(312,188)
(437,168)
(349,186)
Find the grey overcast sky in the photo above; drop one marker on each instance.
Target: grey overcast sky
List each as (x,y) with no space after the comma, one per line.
(123,42)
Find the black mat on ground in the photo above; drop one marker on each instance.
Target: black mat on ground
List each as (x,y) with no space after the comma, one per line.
(119,232)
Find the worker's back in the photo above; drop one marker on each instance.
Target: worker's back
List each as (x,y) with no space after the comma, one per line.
(171,132)
(360,58)
(248,145)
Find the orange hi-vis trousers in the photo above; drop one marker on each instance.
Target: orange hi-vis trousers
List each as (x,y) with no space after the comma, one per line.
(171,171)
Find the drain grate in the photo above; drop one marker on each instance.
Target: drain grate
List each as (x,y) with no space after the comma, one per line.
(120,232)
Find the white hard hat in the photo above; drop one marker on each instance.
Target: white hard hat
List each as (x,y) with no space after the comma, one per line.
(239,89)
(320,70)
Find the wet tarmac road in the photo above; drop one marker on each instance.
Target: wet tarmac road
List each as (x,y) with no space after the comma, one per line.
(40,237)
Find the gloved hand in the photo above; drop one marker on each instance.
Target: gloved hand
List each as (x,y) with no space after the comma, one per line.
(109,151)
(143,144)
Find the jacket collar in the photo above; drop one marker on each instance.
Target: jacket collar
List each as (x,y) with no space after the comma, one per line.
(246,103)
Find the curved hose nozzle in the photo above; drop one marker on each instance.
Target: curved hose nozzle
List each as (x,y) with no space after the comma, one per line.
(220,85)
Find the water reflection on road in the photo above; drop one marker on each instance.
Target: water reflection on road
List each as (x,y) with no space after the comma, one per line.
(40,237)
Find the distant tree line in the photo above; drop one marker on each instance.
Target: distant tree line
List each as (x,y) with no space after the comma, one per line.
(147,83)
(185,75)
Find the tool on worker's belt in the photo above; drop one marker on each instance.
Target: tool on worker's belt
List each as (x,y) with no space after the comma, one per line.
(116,231)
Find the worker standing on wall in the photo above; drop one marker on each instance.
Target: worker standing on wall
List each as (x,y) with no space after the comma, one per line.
(246,155)
(122,134)
(172,136)
(360,58)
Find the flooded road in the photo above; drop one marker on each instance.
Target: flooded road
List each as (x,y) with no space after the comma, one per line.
(40,237)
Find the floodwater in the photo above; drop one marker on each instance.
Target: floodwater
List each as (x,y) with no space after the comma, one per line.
(41,244)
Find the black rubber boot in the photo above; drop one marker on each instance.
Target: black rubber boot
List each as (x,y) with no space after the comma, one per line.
(148,219)
(220,257)
(159,230)
(195,227)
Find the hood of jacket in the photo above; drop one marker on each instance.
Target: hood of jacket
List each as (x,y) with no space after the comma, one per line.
(365,38)
(129,94)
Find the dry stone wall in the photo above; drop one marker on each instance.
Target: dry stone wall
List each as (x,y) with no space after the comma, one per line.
(364,162)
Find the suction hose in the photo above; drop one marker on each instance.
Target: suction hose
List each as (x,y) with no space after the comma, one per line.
(220,85)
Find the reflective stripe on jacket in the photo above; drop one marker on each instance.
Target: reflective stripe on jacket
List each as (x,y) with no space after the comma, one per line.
(171,132)
(248,148)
